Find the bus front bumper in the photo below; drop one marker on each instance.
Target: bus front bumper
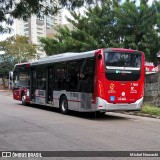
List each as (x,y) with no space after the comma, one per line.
(104,106)
(16,95)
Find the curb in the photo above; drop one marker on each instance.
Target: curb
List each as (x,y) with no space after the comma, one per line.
(5,91)
(143,115)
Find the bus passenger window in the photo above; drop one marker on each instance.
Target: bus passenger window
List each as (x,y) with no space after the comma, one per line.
(86,76)
(41,78)
(83,83)
(73,70)
(60,76)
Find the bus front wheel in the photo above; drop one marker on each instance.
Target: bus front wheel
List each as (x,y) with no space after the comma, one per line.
(23,99)
(63,105)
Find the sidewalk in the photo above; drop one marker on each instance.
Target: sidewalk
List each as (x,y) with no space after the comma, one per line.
(5,92)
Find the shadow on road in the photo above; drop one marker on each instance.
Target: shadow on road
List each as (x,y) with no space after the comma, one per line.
(97,117)
(84,115)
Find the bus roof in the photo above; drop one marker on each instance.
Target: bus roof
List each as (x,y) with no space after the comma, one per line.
(19,64)
(64,57)
(70,56)
(22,64)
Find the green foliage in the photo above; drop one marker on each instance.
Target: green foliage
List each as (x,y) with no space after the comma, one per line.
(6,64)
(92,31)
(19,47)
(138,27)
(151,110)
(112,24)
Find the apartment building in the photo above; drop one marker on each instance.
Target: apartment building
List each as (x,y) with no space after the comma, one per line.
(37,27)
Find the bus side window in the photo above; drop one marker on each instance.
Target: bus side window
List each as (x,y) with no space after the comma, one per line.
(72,75)
(60,76)
(57,80)
(86,76)
(41,78)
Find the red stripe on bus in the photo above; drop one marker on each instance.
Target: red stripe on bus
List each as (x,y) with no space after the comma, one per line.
(68,100)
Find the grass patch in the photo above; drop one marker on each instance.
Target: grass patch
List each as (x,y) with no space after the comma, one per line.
(150,109)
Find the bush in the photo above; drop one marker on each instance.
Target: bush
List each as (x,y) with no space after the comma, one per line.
(150,109)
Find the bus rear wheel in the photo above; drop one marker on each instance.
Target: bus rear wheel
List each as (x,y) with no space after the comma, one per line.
(63,105)
(23,99)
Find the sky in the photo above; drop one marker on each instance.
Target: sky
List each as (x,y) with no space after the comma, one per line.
(65,13)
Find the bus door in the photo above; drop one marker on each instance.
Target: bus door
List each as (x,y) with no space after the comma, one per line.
(33,84)
(38,92)
(50,81)
(85,83)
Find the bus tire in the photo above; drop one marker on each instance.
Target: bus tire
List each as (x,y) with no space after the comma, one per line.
(63,105)
(23,99)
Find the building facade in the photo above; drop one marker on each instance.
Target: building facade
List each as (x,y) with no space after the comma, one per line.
(37,27)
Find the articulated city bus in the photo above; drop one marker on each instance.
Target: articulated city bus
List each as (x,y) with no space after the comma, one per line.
(95,81)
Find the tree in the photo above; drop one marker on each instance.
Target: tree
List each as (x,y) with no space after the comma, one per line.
(7,63)
(23,9)
(20,48)
(94,30)
(112,24)
(138,26)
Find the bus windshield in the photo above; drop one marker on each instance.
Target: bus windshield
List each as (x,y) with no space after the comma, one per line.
(123,59)
(21,77)
(123,66)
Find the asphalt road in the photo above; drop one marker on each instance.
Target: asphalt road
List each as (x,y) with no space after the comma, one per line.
(38,128)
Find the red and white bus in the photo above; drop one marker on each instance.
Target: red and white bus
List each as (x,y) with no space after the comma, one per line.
(102,80)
